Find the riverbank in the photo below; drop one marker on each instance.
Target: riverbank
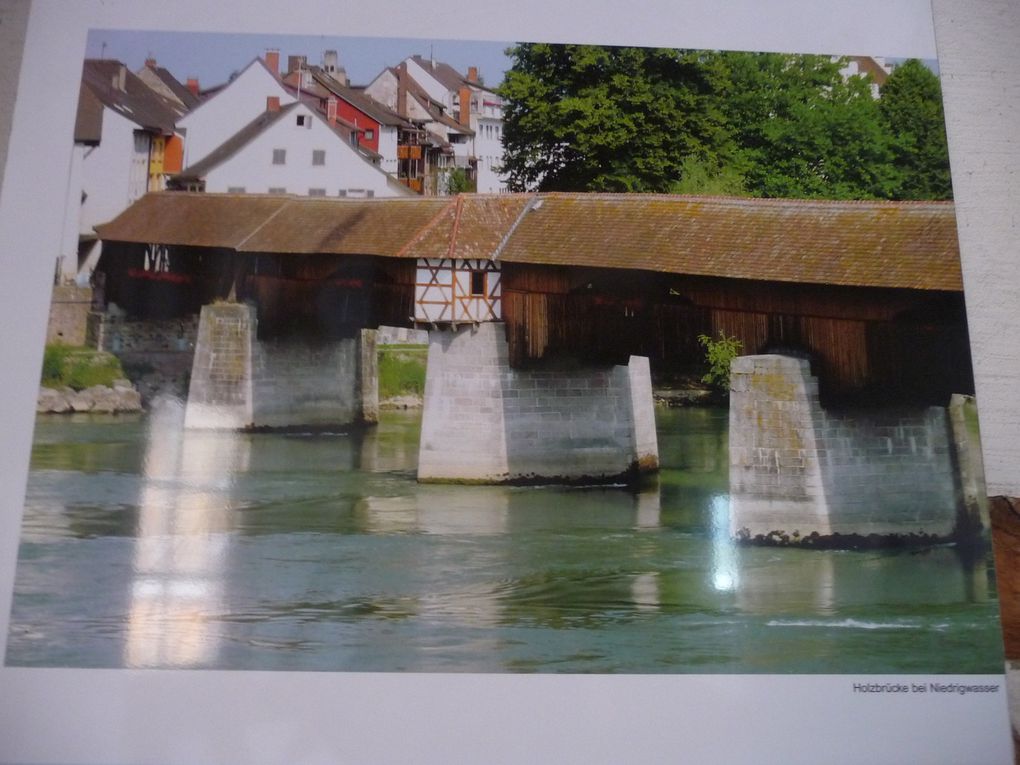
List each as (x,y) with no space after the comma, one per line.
(76,379)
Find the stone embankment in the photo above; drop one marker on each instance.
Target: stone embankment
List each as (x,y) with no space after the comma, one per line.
(121,397)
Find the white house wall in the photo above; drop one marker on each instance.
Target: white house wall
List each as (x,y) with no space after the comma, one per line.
(388,149)
(488,148)
(72,213)
(443,291)
(107,171)
(214,121)
(384,90)
(252,168)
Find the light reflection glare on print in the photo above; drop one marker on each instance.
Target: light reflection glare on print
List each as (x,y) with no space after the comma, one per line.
(183,541)
(725,573)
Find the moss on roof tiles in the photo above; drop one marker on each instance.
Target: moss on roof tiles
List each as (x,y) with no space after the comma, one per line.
(874,244)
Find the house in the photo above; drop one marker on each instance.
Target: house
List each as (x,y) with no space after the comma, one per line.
(873,66)
(483,114)
(125,144)
(228,109)
(445,143)
(380,129)
(290,149)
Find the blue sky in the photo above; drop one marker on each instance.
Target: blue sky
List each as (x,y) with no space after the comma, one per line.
(212,57)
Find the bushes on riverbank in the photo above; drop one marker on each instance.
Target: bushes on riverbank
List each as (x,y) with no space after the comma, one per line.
(67,366)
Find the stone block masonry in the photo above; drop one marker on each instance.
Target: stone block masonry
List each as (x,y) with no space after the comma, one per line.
(240,382)
(69,311)
(484,422)
(798,470)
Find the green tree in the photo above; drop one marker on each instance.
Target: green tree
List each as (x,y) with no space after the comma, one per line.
(911,107)
(802,129)
(593,118)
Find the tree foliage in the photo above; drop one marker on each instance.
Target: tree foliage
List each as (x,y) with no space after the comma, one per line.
(911,106)
(592,118)
(605,119)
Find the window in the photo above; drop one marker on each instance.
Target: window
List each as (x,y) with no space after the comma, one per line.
(369,135)
(477,282)
(318,156)
(316,192)
(277,190)
(235,189)
(303,120)
(279,156)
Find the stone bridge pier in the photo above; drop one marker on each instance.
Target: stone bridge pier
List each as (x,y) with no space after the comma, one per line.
(240,382)
(798,471)
(485,422)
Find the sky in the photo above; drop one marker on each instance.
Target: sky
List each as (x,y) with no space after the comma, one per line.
(212,57)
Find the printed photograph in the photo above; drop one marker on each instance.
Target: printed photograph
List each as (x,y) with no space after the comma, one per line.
(396,355)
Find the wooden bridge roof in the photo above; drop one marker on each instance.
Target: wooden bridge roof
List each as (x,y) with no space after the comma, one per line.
(873,244)
(870,244)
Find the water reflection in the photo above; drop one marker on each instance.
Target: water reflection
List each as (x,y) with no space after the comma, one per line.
(320,551)
(182,544)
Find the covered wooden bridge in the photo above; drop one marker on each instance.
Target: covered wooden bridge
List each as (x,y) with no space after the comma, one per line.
(872,291)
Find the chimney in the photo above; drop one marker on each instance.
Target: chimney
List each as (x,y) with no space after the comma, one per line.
(331,110)
(296,62)
(150,63)
(465,107)
(193,86)
(273,60)
(472,74)
(120,79)
(272,103)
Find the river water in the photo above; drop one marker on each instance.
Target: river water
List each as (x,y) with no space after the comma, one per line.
(145,546)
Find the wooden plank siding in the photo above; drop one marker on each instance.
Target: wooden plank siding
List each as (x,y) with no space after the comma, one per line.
(862,341)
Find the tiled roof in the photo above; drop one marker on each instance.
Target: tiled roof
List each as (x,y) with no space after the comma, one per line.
(186,97)
(285,224)
(88,123)
(447,76)
(473,226)
(377,111)
(869,244)
(137,102)
(194,220)
(345,227)
(875,244)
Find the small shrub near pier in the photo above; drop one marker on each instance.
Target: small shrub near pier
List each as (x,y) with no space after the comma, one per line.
(78,368)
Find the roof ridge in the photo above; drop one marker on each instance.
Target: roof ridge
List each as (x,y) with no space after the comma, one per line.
(738,200)
(528,207)
(417,236)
